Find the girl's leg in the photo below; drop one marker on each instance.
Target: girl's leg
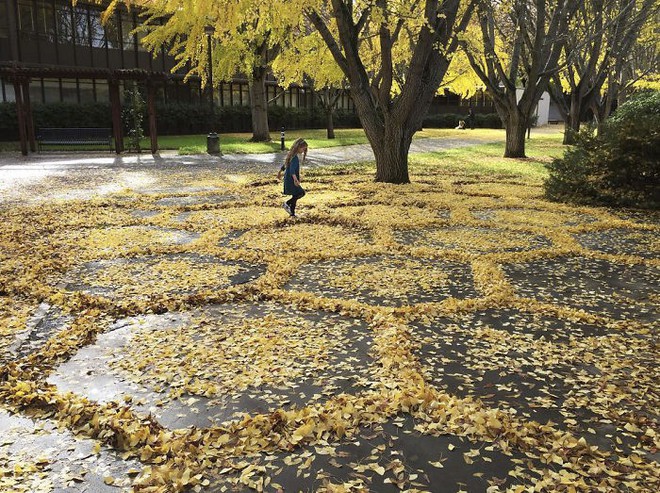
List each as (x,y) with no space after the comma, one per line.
(292,204)
(294,201)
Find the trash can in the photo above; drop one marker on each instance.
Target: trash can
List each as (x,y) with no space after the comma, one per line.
(213,143)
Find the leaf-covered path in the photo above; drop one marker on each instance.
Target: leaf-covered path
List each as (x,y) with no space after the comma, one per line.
(169,328)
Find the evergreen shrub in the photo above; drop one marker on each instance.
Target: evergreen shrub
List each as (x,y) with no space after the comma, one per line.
(619,166)
(173,118)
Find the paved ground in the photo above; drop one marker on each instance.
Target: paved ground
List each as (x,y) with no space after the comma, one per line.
(164,326)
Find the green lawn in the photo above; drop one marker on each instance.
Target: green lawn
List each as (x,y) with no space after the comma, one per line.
(238,143)
(487,158)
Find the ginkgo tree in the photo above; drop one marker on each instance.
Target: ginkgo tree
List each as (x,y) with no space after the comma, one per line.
(307,60)
(514,46)
(245,37)
(597,54)
(394,54)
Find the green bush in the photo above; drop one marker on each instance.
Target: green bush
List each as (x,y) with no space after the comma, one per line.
(193,118)
(173,118)
(619,166)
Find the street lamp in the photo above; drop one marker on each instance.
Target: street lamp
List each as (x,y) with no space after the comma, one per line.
(209,30)
(212,139)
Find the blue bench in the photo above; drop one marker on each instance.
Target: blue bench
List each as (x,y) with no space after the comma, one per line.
(74,136)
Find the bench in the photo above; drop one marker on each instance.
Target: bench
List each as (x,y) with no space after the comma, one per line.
(74,136)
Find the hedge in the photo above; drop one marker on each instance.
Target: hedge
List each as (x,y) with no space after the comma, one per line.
(172,118)
(180,118)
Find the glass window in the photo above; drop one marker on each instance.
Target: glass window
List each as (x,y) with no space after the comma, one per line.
(111,31)
(82,27)
(86,88)
(8,91)
(4,29)
(102,91)
(45,20)
(97,34)
(26,17)
(64,24)
(226,95)
(126,31)
(245,90)
(69,91)
(235,94)
(35,91)
(51,90)
(140,36)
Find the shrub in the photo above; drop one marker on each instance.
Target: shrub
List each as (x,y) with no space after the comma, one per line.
(619,166)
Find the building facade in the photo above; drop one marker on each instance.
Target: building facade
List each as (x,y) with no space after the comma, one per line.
(54,33)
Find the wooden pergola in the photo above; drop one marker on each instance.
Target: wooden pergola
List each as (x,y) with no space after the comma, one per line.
(20,76)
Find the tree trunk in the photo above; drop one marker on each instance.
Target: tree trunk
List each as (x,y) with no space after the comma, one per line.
(330,123)
(391,144)
(516,126)
(259,106)
(572,123)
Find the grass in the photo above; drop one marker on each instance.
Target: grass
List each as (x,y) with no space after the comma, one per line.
(238,143)
(488,158)
(485,158)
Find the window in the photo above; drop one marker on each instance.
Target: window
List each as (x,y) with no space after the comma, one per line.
(26,21)
(235,94)
(51,90)
(4,29)
(69,91)
(126,28)
(81,26)
(35,91)
(97,34)
(8,91)
(111,32)
(86,88)
(140,37)
(245,92)
(64,23)
(102,91)
(45,20)
(226,94)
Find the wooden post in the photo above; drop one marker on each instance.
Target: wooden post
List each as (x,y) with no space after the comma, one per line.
(151,110)
(29,122)
(20,115)
(115,106)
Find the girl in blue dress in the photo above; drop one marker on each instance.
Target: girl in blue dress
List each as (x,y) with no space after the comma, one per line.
(291,168)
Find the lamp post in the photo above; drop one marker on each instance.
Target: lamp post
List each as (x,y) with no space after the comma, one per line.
(209,30)
(212,139)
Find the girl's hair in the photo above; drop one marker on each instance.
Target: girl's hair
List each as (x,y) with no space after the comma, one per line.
(298,143)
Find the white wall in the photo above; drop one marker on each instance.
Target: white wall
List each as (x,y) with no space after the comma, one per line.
(542,108)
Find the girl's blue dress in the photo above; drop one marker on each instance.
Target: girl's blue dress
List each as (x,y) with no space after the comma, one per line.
(290,188)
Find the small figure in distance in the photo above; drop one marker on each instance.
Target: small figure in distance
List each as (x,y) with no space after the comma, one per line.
(470,118)
(291,169)
(461,125)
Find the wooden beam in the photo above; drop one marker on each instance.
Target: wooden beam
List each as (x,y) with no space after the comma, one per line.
(151,110)
(20,115)
(29,122)
(115,107)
